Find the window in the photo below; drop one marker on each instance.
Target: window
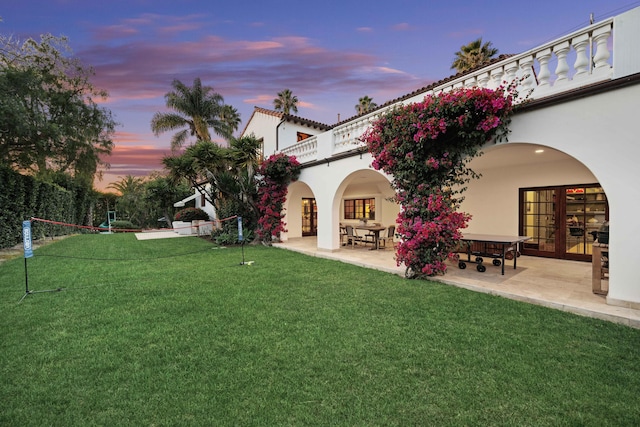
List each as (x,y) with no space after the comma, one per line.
(360,208)
(261,151)
(301,136)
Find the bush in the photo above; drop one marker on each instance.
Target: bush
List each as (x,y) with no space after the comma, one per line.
(223,237)
(192,214)
(122,225)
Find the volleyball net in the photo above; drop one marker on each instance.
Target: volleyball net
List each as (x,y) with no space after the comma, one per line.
(199,225)
(95,255)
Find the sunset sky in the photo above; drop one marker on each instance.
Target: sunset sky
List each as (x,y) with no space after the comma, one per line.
(329,53)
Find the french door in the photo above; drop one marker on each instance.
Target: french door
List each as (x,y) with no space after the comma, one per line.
(309,217)
(562,221)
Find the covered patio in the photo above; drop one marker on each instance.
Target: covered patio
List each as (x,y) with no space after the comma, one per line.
(560,284)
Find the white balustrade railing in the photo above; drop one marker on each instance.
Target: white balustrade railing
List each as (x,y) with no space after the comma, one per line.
(305,150)
(592,63)
(578,59)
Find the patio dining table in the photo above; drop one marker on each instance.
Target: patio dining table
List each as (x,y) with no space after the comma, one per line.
(375,230)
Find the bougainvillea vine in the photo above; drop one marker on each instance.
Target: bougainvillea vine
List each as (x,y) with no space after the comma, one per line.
(426,147)
(278,171)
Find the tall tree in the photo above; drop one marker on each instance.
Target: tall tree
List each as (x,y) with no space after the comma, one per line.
(365,104)
(48,116)
(161,193)
(286,102)
(131,191)
(197,108)
(473,55)
(230,173)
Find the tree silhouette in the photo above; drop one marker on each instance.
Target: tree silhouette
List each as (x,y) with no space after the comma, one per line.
(365,104)
(286,102)
(473,55)
(198,108)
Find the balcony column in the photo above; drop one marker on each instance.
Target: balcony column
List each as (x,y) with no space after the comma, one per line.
(526,66)
(483,80)
(470,83)
(510,70)
(544,75)
(338,139)
(496,77)
(602,55)
(562,69)
(582,62)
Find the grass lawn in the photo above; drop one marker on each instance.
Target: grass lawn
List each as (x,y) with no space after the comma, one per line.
(176,332)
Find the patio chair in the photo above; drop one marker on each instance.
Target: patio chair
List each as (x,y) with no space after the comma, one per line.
(343,235)
(351,236)
(391,231)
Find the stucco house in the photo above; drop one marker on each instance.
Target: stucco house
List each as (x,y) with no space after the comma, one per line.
(571,160)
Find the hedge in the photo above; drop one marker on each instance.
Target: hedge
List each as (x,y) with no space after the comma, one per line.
(23,197)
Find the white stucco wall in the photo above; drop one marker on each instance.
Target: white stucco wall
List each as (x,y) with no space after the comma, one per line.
(493,199)
(263,126)
(600,138)
(601,132)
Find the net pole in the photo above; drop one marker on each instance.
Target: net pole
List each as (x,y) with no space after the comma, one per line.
(26,277)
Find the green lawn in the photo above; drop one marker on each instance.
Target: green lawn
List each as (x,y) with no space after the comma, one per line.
(177,332)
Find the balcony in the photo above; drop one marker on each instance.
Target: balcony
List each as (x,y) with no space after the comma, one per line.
(580,59)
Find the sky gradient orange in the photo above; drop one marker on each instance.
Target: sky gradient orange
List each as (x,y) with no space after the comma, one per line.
(329,53)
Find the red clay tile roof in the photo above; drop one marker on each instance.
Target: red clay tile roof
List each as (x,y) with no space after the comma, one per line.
(324,127)
(288,118)
(429,87)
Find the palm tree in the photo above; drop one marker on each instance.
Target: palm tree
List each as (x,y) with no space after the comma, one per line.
(286,102)
(365,104)
(472,55)
(198,108)
(131,191)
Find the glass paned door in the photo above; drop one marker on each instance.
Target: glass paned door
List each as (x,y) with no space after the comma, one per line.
(309,217)
(586,210)
(561,221)
(538,220)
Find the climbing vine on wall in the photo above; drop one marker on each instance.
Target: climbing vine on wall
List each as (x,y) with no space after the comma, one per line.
(278,171)
(426,147)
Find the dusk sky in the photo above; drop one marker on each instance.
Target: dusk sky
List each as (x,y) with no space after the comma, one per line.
(329,53)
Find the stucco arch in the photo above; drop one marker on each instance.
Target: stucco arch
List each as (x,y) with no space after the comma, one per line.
(293,208)
(364,183)
(352,175)
(492,200)
(595,132)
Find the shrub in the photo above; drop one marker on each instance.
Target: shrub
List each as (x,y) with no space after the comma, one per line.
(122,225)
(222,237)
(192,214)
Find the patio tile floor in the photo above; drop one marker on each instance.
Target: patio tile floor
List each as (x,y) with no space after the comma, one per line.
(560,284)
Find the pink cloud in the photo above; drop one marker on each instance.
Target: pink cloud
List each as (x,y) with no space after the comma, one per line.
(137,72)
(136,161)
(140,69)
(112,32)
(403,26)
(260,99)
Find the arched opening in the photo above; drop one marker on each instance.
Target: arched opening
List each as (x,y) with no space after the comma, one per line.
(301,211)
(366,196)
(540,192)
